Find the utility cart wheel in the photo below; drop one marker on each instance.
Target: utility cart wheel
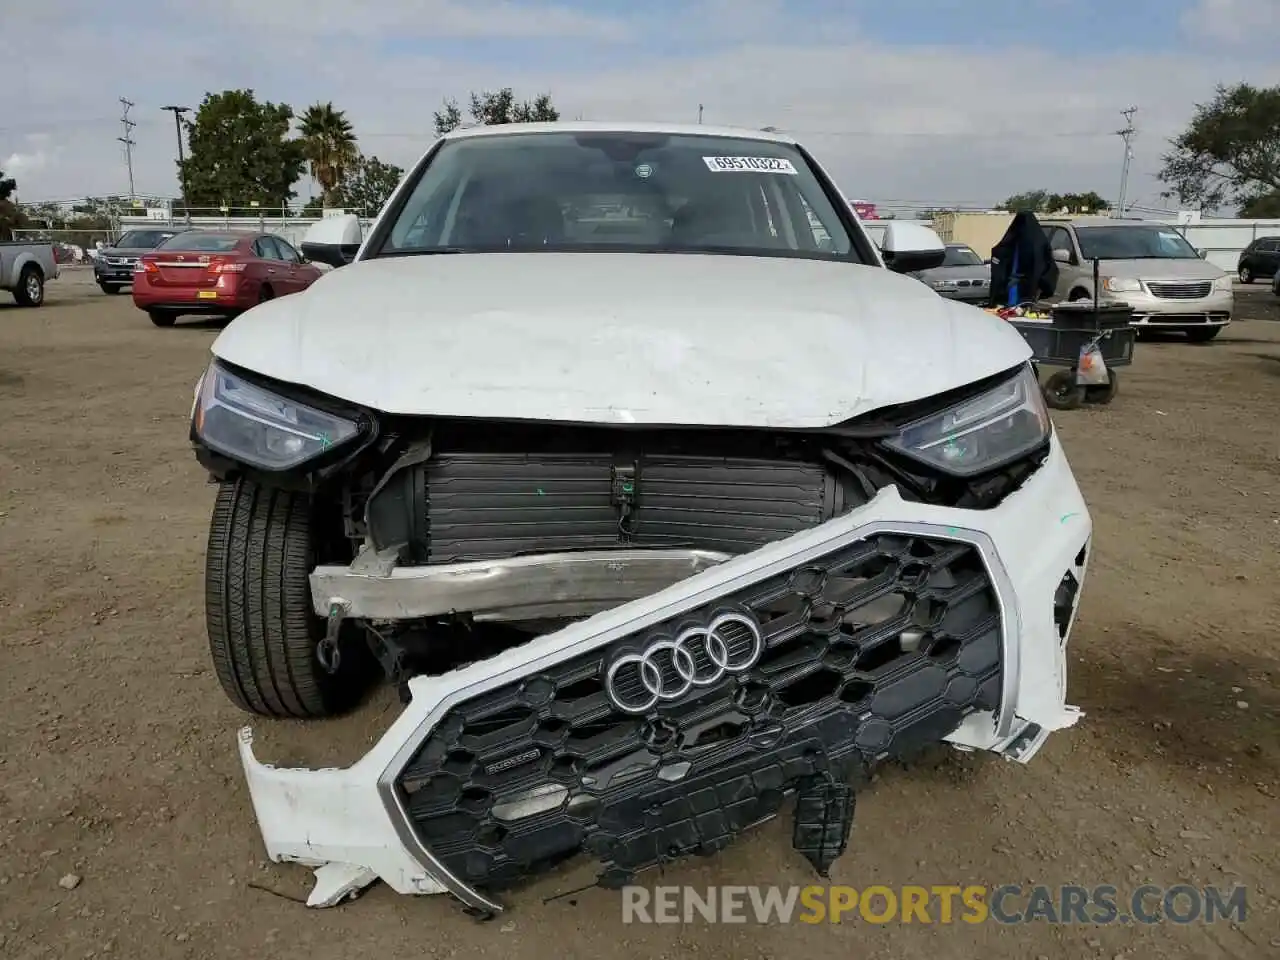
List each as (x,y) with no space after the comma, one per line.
(1062,392)
(1103,393)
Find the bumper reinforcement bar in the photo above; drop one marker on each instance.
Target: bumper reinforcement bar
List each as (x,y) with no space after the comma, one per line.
(514,588)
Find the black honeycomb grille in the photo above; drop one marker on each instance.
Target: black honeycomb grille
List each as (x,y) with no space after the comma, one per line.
(871,651)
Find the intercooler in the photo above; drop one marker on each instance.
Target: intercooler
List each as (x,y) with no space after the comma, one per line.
(456,507)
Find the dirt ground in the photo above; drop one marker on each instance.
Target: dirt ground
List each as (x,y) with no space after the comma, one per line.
(118,763)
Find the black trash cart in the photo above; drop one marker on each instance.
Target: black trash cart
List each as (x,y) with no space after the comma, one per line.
(1075,327)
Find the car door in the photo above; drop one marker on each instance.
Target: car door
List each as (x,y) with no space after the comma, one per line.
(303,272)
(278,272)
(1268,257)
(1060,238)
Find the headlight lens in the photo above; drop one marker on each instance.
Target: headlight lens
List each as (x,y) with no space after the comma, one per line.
(944,285)
(259,427)
(983,433)
(1121,284)
(1223,282)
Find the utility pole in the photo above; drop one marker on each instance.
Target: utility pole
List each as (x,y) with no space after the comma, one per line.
(699,113)
(127,140)
(1127,136)
(177,126)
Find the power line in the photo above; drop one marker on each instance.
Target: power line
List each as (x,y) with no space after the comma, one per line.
(1127,136)
(128,141)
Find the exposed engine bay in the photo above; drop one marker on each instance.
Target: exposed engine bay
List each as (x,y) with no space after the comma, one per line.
(636,642)
(583,518)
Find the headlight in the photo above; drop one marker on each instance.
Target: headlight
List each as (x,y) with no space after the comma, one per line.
(259,427)
(981,434)
(1121,284)
(1223,282)
(944,285)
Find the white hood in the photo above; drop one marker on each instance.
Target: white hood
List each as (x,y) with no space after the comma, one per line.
(621,338)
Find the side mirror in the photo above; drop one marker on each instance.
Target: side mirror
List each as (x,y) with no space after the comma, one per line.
(986,262)
(334,240)
(907,247)
(1202,253)
(1061,256)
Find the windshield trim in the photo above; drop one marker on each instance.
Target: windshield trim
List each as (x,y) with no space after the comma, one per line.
(861,248)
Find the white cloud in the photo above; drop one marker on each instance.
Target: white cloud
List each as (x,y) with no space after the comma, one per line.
(24,164)
(421,18)
(926,124)
(1237,22)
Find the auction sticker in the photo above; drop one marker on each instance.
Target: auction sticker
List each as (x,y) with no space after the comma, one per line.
(749,165)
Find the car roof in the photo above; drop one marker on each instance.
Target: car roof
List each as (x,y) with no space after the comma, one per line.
(1100,222)
(597,126)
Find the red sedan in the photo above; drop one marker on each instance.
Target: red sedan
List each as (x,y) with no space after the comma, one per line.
(207,272)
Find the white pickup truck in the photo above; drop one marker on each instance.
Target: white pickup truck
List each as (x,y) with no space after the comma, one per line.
(24,269)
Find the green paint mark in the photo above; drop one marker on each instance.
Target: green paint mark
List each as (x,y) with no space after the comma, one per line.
(541,492)
(628,487)
(326,441)
(954,531)
(1067,516)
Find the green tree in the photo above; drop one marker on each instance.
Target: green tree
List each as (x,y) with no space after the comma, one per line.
(1230,151)
(368,186)
(500,107)
(10,214)
(329,147)
(1090,202)
(1032,200)
(1042,201)
(240,151)
(1265,206)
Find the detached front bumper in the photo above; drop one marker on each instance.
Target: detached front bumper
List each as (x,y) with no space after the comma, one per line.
(515,761)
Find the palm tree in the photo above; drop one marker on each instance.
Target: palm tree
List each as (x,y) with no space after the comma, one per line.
(329,144)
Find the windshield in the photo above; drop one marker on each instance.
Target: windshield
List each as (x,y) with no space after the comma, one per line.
(143,239)
(618,192)
(961,257)
(1134,243)
(201,242)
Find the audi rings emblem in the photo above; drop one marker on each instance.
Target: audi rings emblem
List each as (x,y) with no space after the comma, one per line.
(669,667)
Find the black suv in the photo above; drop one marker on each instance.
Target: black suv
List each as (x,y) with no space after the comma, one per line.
(1259,259)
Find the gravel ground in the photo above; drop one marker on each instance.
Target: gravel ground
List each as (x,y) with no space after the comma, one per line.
(126,829)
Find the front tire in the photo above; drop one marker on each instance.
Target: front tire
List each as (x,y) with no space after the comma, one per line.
(1203,334)
(1062,392)
(30,289)
(110,289)
(263,632)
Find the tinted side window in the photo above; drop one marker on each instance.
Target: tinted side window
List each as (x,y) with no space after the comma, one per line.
(286,251)
(269,249)
(1060,239)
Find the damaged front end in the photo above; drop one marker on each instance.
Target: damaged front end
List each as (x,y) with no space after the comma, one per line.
(634,645)
(666,726)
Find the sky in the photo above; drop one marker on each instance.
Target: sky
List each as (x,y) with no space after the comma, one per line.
(923,102)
